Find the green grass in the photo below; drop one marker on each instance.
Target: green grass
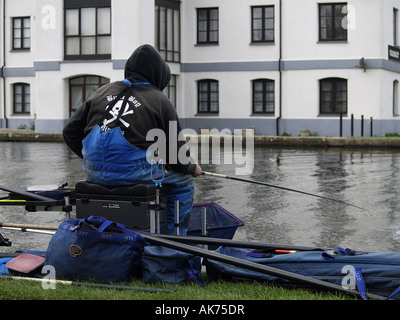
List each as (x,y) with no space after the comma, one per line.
(221,290)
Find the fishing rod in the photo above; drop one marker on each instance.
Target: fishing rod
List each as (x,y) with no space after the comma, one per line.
(42,231)
(87,284)
(26,226)
(29,195)
(235,243)
(183,239)
(29,228)
(218,175)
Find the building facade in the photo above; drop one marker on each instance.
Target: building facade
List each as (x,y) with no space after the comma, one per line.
(277,66)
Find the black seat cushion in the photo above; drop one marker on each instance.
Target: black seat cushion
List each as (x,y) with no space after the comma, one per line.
(137,190)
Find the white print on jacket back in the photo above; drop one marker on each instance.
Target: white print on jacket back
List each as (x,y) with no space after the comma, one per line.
(116,109)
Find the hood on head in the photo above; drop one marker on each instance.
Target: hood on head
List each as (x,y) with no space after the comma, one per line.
(146,63)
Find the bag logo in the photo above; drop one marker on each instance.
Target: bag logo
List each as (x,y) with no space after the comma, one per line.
(75,250)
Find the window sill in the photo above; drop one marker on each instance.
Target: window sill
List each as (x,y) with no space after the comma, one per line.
(206,44)
(89,57)
(20,114)
(332,115)
(266,43)
(333,41)
(21,50)
(271,115)
(207,114)
(85,61)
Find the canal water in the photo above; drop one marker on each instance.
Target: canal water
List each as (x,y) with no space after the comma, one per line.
(363,178)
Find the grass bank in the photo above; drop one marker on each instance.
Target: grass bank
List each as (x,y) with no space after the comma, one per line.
(218,291)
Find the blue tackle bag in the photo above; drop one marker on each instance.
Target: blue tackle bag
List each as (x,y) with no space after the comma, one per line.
(95,248)
(162,264)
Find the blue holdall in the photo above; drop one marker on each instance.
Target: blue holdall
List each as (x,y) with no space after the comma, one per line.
(368,272)
(162,264)
(95,248)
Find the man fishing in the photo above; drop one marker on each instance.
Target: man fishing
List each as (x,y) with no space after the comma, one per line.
(109,130)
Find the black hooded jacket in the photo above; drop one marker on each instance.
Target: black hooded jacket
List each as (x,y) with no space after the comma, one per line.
(151,108)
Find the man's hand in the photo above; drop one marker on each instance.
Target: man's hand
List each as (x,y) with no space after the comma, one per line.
(197,172)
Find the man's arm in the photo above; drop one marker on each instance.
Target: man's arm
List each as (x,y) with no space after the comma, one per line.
(73,132)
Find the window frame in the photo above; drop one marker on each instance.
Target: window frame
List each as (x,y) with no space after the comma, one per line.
(25,105)
(333,103)
(263,28)
(333,17)
(171,90)
(265,101)
(171,38)
(395,27)
(84,88)
(208,92)
(80,37)
(208,29)
(21,37)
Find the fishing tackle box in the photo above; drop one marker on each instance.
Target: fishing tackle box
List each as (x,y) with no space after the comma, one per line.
(129,205)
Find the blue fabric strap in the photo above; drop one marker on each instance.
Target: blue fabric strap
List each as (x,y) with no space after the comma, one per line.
(135,84)
(193,274)
(104,225)
(394,293)
(360,283)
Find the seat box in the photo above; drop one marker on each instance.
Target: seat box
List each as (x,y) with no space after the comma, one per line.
(128,205)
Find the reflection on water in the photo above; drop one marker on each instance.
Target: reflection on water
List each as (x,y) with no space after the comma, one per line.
(365,178)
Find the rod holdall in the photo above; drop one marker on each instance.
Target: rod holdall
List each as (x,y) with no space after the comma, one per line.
(95,248)
(368,272)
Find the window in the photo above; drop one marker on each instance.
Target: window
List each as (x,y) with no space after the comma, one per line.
(396,98)
(167,29)
(332,22)
(170,90)
(80,88)
(395,26)
(21,98)
(208,96)
(207,25)
(263,96)
(333,96)
(262,26)
(21,33)
(87,30)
